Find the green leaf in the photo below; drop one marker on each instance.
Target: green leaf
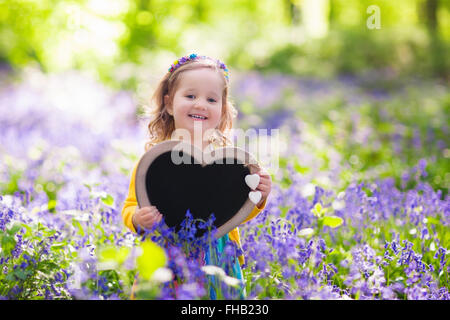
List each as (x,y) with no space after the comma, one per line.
(8,244)
(108,200)
(10,277)
(28,231)
(433,220)
(48,266)
(318,210)
(51,204)
(152,258)
(284,211)
(14,229)
(20,274)
(299,168)
(58,245)
(114,254)
(77,224)
(332,221)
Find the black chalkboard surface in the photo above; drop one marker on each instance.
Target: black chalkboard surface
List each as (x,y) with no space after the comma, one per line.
(175,176)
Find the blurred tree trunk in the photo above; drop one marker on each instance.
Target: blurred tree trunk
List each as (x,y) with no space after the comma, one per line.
(201,10)
(332,12)
(294,11)
(431,19)
(428,10)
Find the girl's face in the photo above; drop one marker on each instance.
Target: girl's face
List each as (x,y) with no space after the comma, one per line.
(197,98)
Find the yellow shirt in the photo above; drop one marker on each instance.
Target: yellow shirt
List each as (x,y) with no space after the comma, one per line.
(131,204)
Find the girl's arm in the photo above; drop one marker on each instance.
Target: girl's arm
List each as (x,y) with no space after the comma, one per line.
(256,210)
(130,204)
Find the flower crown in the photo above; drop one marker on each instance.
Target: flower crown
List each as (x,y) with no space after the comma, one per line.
(179,62)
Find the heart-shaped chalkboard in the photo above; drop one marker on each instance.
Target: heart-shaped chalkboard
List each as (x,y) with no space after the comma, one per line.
(176,176)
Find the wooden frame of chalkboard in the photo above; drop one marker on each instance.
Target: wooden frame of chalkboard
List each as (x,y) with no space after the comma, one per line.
(234,154)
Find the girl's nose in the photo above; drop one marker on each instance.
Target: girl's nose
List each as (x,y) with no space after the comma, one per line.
(200,105)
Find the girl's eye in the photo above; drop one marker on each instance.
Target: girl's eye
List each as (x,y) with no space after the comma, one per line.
(210,99)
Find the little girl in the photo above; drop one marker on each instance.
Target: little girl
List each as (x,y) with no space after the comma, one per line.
(194,89)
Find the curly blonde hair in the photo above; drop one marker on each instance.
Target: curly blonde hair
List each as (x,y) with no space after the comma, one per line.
(162,124)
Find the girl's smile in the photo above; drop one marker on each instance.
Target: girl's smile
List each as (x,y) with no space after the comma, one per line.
(198,117)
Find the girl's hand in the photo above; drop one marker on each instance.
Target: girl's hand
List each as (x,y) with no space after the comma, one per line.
(145,217)
(264,186)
